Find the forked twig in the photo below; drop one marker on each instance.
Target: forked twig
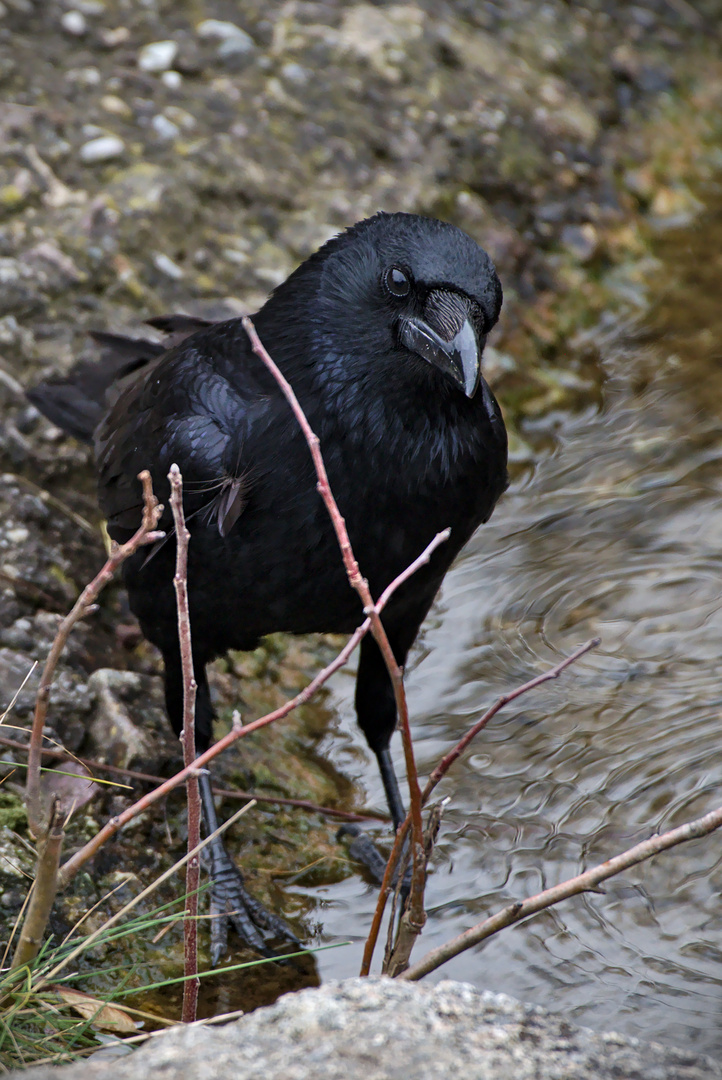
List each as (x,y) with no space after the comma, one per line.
(585,882)
(440,771)
(146,534)
(71,867)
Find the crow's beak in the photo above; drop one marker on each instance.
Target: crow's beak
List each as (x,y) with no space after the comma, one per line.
(459,359)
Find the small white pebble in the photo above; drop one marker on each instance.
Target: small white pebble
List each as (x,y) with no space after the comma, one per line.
(105,148)
(172,79)
(17,535)
(164,127)
(295,74)
(112,38)
(158,56)
(113,104)
(73,22)
(225,31)
(167,266)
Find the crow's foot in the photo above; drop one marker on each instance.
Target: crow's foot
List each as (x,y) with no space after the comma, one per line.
(232,905)
(364,850)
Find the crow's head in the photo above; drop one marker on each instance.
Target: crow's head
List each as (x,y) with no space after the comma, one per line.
(401,292)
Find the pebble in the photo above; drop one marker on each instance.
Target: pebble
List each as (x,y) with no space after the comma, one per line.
(104,148)
(233,39)
(295,73)
(114,37)
(167,266)
(164,127)
(73,22)
(172,79)
(158,56)
(115,105)
(581,240)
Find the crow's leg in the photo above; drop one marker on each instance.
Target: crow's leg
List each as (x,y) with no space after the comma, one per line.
(231,903)
(376,712)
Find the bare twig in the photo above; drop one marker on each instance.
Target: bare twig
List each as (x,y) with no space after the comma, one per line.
(52,975)
(71,867)
(585,882)
(398,952)
(146,534)
(225,793)
(44,889)
(193,869)
(437,775)
(415,908)
(448,760)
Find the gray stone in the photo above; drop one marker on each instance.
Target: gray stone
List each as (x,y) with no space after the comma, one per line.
(380,1029)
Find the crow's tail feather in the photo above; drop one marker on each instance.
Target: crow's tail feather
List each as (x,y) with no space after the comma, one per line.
(78,401)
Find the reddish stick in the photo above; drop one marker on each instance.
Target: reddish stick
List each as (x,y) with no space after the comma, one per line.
(193,866)
(146,534)
(71,867)
(359,583)
(441,769)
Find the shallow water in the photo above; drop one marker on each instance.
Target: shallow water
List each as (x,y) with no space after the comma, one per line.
(614,533)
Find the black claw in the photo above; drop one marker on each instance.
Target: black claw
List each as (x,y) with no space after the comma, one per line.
(232,905)
(364,850)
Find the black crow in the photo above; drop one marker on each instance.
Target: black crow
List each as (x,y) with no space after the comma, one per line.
(380,333)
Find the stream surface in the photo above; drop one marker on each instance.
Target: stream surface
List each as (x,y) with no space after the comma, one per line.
(615,532)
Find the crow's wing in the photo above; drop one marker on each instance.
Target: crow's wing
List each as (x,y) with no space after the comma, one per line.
(183,409)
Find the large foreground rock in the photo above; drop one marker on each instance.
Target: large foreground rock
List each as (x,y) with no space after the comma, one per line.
(379,1029)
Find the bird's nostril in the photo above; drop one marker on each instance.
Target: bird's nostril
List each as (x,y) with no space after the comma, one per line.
(446,312)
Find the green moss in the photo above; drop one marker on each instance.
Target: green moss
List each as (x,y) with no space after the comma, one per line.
(12,811)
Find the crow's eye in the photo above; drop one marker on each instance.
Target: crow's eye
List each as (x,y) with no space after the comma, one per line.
(397,281)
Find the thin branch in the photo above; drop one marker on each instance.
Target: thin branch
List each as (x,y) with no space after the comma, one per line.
(71,867)
(359,583)
(448,760)
(193,868)
(439,772)
(224,793)
(44,890)
(585,882)
(146,534)
(88,941)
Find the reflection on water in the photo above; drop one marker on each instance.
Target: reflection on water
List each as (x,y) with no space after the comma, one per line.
(616,533)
